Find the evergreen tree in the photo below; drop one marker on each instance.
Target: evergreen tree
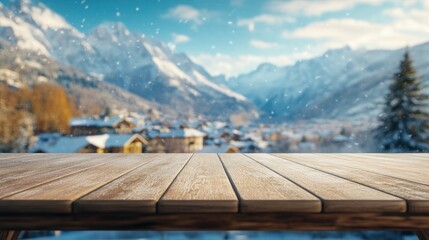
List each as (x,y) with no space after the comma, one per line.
(404,123)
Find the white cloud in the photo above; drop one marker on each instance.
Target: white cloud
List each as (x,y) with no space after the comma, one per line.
(186,13)
(337,32)
(263,45)
(407,27)
(409,3)
(180,38)
(316,7)
(404,27)
(267,19)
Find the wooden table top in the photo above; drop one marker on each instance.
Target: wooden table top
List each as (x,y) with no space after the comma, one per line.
(67,190)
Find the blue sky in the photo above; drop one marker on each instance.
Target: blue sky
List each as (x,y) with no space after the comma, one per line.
(234,36)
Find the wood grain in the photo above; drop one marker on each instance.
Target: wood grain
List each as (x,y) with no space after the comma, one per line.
(57,196)
(395,159)
(21,177)
(116,191)
(202,186)
(337,194)
(39,162)
(135,192)
(12,160)
(416,195)
(407,171)
(262,190)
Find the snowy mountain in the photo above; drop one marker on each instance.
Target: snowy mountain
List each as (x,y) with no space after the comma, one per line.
(134,62)
(23,68)
(342,83)
(151,69)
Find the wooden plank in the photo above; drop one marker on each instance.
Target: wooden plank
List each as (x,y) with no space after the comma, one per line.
(261,190)
(4,156)
(136,192)
(416,155)
(416,195)
(408,171)
(202,186)
(19,178)
(57,196)
(396,159)
(337,194)
(423,156)
(220,221)
(23,165)
(11,160)
(382,161)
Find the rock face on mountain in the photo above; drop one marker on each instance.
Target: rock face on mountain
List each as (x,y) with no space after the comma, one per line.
(131,61)
(342,83)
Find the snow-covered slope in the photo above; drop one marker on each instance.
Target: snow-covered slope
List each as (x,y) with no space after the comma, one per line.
(130,60)
(342,83)
(33,26)
(149,68)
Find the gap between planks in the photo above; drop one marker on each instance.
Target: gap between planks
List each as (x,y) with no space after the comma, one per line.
(416,195)
(138,191)
(337,194)
(58,195)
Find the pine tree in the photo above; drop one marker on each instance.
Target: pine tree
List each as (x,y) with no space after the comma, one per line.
(404,123)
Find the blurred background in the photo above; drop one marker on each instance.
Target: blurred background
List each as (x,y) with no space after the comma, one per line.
(227,76)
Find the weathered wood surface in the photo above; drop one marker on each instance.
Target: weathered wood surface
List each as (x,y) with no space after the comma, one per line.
(415,194)
(58,195)
(138,191)
(202,186)
(214,192)
(262,190)
(407,171)
(337,194)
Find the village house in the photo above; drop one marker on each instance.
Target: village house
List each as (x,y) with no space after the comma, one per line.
(96,126)
(106,143)
(182,140)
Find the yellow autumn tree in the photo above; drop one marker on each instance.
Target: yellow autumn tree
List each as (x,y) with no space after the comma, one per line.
(51,107)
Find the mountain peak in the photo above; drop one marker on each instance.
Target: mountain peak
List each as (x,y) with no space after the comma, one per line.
(37,13)
(111,30)
(266,67)
(22,5)
(113,27)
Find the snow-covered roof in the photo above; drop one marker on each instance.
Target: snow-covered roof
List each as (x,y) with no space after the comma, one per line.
(66,144)
(61,145)
(94,122)
(112,140)
(182,133)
